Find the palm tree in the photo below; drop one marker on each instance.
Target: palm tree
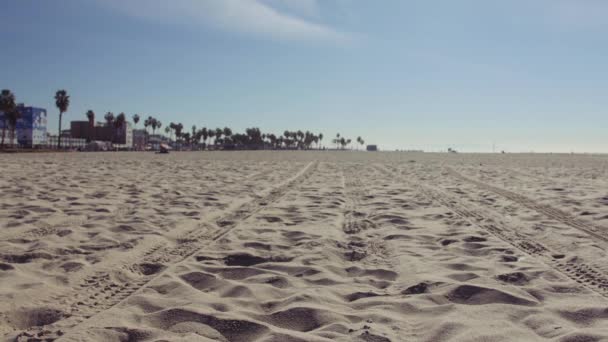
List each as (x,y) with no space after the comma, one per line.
(159,124)
(211,134)
(147,122)
(205,135)
(7,104)
(227,132)
(178,130)
(109,118)
(12,117)
(360,141)
(120,121)
(187,138)
(167,130)
(218,135)
(171,129)
(62,101)
(136,119)
(320,139)
(91,117)
(299,136)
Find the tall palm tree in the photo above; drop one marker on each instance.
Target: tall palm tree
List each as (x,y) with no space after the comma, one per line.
(167,130)
(227,135)
(91,117)
(136,119)
(7,104)
(218,135)
(153,124)
(120,121)
(227,132)
(320,139)
(12,117)
(62,101)
(147,122)
(360,141)
(205,135)
(178,130)
(187,138)
(109,118)
(159,124)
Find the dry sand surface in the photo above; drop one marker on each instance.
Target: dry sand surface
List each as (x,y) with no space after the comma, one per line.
(303,246)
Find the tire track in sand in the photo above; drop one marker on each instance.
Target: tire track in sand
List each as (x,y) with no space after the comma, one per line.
(356,222)
(550,212)
(585,275)
(103,291)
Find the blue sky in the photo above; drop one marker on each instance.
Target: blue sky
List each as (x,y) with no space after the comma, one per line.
(526,75)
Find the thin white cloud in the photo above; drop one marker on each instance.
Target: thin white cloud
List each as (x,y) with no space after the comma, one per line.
(252,17)
(306,8)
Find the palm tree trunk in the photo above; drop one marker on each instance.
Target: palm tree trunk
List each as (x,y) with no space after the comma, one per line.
(12,136)
(59,136)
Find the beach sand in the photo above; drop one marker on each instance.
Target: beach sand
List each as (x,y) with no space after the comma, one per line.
(303,246)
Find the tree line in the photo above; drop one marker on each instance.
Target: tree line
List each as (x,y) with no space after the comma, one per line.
(252,138)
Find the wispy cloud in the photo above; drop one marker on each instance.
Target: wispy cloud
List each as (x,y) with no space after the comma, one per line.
(277,19)
(307,8)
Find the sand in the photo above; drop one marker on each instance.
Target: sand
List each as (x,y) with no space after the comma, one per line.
(303,246)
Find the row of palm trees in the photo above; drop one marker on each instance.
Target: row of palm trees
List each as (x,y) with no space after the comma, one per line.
(252,138)
(342,142)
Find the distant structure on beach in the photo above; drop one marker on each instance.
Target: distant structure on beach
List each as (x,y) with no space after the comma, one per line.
(372,148)
(30,130)
(143,141)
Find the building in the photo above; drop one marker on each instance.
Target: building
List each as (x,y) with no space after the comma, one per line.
(140,139)
(66,142)
(89,131)
(83,130)
(30,130)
